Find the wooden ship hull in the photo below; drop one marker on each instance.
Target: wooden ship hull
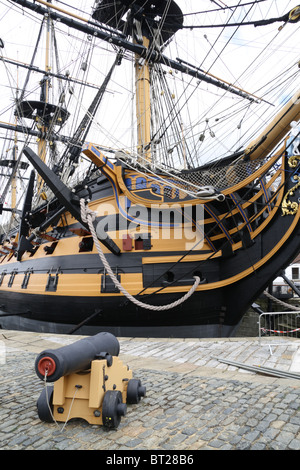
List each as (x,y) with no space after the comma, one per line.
(149,253)
(235,247)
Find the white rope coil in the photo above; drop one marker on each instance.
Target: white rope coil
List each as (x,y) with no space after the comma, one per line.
(88,216)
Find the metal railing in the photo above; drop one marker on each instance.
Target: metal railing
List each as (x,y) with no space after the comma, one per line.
(275,328)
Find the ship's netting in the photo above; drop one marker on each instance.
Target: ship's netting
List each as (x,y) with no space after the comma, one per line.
(194,182)
(223,177)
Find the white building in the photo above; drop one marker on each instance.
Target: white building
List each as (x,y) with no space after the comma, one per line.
(292,272)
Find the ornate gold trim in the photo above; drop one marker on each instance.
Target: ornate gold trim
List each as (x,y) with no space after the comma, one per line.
(293,161)
(288,207)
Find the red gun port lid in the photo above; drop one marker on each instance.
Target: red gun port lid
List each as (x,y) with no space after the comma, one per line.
(46,365)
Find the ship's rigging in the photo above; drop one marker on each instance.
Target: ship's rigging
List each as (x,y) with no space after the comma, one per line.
(174,142)
(198,140)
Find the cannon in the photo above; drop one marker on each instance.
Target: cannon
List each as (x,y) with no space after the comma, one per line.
(89,382)
(55,363)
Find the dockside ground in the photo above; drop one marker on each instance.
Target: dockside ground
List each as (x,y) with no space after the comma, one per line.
(193,401)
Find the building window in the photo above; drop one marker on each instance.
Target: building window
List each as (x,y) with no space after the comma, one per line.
(295,273)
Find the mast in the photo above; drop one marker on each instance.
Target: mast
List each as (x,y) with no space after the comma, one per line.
(143,105)
(110,9)
(42,145)
(150,24)
(11,163)
(15,157)
(44,114)
(111,13)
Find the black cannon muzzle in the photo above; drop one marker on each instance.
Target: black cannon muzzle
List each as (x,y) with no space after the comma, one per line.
(52,364)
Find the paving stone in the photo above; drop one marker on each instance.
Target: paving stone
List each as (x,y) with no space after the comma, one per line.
(189,431)
(134,443)
(294,444)
(285,437)
(258,446)
(187,407)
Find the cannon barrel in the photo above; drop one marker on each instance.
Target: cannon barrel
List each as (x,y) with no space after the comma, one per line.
(52,364)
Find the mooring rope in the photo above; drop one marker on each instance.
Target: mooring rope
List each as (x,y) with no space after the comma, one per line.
(88,216)
(280,302)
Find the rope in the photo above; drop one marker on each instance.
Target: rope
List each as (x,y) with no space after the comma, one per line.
(285,304)
(49,407)
(88,216)
(47,399)
(62,429)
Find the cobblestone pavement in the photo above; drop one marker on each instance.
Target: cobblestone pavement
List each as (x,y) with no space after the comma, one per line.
(193,402)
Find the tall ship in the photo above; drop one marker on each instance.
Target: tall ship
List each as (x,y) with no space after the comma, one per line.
(150,163)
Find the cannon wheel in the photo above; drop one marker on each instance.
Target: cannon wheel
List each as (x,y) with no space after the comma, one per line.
(112,409)
(44,405)
(135,391)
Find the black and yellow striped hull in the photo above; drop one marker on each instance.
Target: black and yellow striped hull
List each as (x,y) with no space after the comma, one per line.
(237,248)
